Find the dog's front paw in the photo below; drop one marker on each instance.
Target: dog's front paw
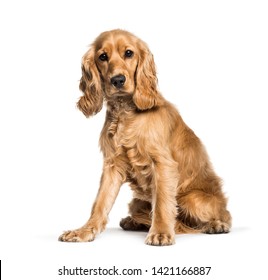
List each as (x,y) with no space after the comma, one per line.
(78,235)
(160,239)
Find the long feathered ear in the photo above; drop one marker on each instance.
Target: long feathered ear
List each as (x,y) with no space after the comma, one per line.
(146,95)
(90,84)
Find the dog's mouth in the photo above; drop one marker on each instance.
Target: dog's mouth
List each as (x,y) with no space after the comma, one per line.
(122,93)
(119,93)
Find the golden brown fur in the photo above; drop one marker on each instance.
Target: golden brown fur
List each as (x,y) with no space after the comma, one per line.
(146,143)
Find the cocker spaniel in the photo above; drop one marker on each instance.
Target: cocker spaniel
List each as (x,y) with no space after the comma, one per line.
(146,143)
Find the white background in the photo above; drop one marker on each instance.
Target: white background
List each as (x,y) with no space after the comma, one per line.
(212,63)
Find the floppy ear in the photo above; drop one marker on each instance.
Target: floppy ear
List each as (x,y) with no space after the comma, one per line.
(146,95)
(90,84)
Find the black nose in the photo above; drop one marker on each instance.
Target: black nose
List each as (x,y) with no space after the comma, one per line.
(118,81)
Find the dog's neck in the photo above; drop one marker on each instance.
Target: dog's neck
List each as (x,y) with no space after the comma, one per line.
(118,109)
(120,104)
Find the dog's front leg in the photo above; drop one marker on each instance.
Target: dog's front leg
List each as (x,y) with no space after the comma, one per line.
(163,202)
(111,181)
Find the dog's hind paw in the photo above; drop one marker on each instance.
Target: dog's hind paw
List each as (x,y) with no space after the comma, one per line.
(129,224)
(215,227)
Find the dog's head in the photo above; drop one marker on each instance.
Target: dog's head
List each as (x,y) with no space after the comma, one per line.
(117,64)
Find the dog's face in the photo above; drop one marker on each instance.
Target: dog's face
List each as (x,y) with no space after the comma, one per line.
(117,64)
(117,58)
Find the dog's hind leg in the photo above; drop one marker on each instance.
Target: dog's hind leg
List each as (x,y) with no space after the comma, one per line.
(205,212)
(139,218)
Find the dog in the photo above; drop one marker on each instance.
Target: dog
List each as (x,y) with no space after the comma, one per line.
(146,143)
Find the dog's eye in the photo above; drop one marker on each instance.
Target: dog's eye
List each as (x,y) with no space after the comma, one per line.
(103,57)
(128,53)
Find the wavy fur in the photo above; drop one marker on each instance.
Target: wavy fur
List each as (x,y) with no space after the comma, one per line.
(145,143)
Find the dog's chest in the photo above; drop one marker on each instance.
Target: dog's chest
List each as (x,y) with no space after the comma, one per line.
(130,147)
